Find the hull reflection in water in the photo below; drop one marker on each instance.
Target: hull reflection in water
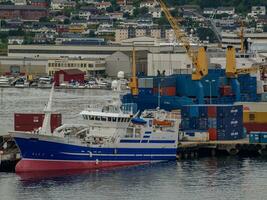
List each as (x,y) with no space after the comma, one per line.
(43,175)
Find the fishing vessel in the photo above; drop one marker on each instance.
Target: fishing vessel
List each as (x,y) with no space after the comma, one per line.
(110,136)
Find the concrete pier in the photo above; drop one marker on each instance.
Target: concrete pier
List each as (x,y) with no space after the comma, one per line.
(215,148)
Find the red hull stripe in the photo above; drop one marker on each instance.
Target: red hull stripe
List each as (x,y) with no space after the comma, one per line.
(47,165)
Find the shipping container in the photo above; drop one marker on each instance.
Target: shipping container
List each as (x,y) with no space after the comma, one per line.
(189,123)
(263,137)
(203,110)
(212,122)
(164,81)
(229,122)
(212,134)
(202,124)
(253,106)
(168,91)
(196,135)
(193,111)
(145,82)
(230,133)
(212,111)
(226,90)
(165,91)
(264,97)
(254,137)
(252,126)
(229,110)
(145,91)
(258,117)
(32,121)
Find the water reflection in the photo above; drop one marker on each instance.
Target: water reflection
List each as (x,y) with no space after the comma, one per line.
(210,178)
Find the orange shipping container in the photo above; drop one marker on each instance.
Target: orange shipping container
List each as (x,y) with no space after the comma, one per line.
(165,91)
(212,134)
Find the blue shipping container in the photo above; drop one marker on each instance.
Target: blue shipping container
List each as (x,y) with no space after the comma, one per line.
(193,111)
(254,137)
(146,91)
(202,124)
(229,110)
(212,123)
(263,137)
(229,122)
(230,133)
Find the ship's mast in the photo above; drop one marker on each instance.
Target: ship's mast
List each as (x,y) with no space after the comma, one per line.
(46,128)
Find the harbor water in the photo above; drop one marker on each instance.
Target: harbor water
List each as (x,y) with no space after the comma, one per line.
(205,178)
(68,102)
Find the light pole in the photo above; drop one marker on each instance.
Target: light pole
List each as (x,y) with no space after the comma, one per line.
(210,82)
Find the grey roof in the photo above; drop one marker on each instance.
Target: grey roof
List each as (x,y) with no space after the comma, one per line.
(26,7)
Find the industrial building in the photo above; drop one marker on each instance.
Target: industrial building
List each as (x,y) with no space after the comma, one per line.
(25,65)
(169,63)
(68,75)
(88,66)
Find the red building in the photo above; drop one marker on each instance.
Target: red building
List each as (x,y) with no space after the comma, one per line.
(62,29)
(40,3)
(68,75)
(22,12)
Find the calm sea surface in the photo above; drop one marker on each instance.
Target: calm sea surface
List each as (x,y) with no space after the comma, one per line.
(206,178)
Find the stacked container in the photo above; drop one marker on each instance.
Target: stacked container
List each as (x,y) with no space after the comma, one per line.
(248,87)
(223,122)
(255,121)
(145,86)
(226,90)
(229,122)
(166,85)
(33,121)
(258,137)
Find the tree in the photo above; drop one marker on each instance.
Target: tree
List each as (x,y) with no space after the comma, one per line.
(44,19)
(110,9)
(137,12)
(67,11)
(66,21)
(3,23)
(136,3)
(143,11)
(92,33)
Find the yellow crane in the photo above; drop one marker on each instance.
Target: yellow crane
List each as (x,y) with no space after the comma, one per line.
(231,70)
(199,59)
(241,35)
(133,82)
